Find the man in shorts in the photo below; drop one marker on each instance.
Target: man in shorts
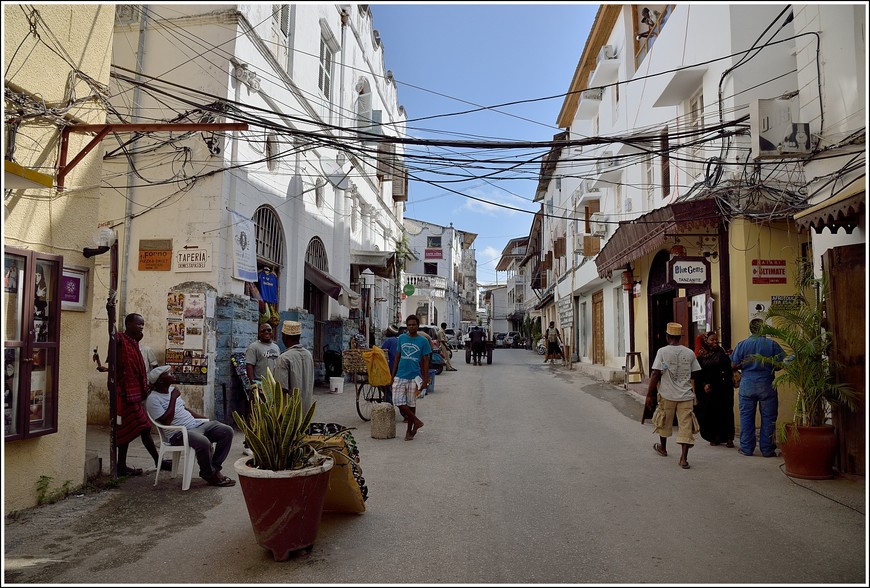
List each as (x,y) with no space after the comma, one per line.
(410,371)
(673,370)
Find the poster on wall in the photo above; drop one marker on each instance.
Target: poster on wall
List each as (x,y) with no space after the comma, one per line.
(185,336)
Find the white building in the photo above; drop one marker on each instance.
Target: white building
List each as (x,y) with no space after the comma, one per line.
(303,210)
(440,277)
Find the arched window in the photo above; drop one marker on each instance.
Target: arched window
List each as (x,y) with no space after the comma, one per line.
(316,254)
(270,238)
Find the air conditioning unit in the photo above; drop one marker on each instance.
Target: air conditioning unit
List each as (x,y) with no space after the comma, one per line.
(606,52)
(578,246)
(598,224)
(589,187)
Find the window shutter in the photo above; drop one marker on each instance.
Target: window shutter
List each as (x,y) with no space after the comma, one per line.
(400,183)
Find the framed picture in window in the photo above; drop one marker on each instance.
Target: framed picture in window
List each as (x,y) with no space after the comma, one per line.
(74,288)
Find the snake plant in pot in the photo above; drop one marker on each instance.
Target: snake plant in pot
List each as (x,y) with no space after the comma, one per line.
(808,443)
(285,481)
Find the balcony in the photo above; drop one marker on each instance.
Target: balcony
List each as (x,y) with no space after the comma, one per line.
(586,192)
(609,170)
(426,285)
(590,100)
(607,69)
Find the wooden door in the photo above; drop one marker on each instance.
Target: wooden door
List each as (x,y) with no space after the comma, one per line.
(682,308)
(598,327)
(846,270)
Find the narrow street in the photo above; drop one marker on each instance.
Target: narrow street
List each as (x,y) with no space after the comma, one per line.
(523,473)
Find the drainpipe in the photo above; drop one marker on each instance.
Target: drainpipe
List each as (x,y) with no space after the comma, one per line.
(724,287)
(341,226)
(131,176)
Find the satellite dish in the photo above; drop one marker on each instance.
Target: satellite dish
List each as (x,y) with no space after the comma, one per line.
(336,170)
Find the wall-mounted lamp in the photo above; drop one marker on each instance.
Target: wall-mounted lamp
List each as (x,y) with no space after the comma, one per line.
(627,279)
(712,255)
(103,239)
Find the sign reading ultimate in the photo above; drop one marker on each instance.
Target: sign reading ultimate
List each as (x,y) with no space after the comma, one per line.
(193,259)
(689,270)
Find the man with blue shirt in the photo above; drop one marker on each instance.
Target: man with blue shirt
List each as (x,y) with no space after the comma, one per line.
(410,371)
(756,390)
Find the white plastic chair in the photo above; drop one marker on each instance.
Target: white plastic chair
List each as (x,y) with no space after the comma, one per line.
(184,450)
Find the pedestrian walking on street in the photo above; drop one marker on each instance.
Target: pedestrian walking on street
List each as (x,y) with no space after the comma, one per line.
(715,409)
(672,372)
(391,347)
(554,342)
(441,335)
(131,379)
(756,390)
(410,371)
(166,406)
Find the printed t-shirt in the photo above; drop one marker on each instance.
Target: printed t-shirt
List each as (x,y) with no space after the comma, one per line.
(411,352)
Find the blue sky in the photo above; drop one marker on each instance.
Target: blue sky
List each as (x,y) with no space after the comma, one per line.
(446,58)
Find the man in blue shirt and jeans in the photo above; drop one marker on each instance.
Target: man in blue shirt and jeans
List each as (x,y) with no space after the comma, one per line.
(756,390)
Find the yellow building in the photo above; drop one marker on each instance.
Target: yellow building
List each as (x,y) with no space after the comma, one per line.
(56,73)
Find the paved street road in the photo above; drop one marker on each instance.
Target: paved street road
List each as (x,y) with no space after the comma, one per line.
(523,473)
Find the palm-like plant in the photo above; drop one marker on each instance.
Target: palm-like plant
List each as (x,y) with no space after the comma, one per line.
(799,328)
(277,431)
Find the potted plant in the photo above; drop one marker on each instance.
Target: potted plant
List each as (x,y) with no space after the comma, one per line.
(808,443)
(285,481)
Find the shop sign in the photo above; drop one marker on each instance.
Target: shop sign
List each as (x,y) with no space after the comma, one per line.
(565,308)
(768,271)
(409,289)
(193,258)
(432,253)
(689,270)
(155,255)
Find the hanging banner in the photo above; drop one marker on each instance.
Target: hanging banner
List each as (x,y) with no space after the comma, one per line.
(244,248)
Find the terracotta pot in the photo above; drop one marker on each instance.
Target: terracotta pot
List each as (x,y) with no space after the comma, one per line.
(810,453)
(284,507)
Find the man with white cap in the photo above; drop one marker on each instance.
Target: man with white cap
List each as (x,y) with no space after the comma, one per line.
(295,367)
(166,406)
(673,370)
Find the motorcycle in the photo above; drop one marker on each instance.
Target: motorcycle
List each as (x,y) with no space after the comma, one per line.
(541,347)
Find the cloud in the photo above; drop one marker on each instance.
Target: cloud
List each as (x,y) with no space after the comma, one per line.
(499,200)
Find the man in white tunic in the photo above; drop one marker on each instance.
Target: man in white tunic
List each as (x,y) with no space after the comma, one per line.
(295,367)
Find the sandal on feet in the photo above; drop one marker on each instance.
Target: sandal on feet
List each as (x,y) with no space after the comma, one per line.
(125,471)
(219,480)
(685,465)
(660,450)
(729,444)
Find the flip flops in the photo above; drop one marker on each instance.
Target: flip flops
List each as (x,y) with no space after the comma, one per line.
(219,480)
(685,466)
(660,450)
(129,471)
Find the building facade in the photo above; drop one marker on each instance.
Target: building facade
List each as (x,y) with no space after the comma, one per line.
(56,77)
(297,215)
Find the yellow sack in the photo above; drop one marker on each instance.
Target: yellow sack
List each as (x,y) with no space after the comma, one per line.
(376,364)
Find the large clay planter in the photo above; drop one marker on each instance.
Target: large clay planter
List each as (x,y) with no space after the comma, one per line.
(284,507)
(809,454)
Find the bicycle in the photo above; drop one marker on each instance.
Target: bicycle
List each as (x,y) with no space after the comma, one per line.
(366,395)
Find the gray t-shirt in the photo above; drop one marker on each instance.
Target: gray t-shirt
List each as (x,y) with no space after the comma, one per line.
(676,363)
(261,356)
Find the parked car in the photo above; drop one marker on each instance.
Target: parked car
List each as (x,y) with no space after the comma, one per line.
(499,339)
(512,340)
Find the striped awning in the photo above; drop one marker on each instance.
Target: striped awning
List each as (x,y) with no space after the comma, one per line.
(647,233)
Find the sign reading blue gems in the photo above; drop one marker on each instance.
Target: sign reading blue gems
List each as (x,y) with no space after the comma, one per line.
(689,270)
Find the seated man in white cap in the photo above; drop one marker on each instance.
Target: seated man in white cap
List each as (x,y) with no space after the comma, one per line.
(166,406)
(295,367)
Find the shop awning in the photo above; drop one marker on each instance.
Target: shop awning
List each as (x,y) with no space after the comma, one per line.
(843,210)
(648,232)
(329,285)
(382,263)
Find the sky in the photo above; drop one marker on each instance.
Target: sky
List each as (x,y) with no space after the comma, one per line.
(448,58)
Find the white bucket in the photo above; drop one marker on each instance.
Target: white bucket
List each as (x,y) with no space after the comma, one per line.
(336,385)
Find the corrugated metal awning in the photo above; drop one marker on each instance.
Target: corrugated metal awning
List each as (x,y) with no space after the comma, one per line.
(382,263)
(843,210)
(647,233)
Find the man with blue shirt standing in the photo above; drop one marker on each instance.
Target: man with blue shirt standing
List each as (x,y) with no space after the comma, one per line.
(410,371)
(756,390)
